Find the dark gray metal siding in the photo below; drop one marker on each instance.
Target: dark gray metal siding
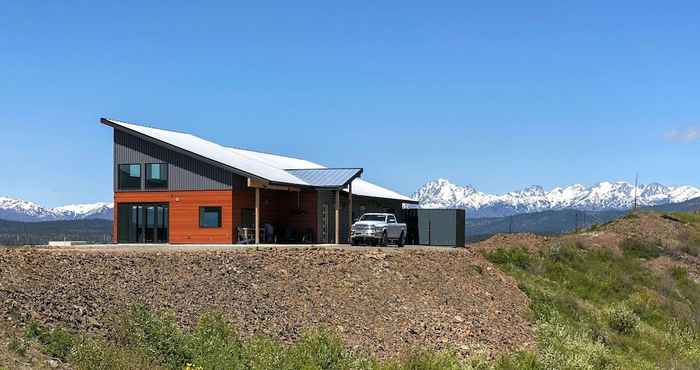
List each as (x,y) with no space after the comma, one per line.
(184,172)
(443,227)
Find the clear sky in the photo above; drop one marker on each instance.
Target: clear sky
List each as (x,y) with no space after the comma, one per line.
(499,95)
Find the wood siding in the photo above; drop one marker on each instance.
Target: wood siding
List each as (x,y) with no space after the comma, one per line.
(184,214)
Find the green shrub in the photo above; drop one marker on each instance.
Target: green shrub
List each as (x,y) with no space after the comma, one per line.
(426,360)
(518,361)
(34,330)
(561,253)
(561,346)
(158,337)
(640,248)
(679,273)
(95,354)
(57,343)
(517,257)
(18,346)
(263,354)
(214,344)
(318,349)
(622,319)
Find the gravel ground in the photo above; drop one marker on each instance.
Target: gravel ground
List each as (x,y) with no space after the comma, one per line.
(383,301)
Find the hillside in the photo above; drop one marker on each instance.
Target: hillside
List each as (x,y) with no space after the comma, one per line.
(558,221)
(380,301)
(622,295)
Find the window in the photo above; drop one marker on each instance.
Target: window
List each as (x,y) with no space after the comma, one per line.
(156,175)
(392,220)
(209,217)
(129,176)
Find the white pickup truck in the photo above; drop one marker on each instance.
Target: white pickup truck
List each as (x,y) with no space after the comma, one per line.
(378,229)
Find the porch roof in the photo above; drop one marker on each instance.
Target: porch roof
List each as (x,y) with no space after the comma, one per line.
(327,177)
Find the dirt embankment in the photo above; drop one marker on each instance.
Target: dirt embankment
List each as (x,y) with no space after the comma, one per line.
(383,301)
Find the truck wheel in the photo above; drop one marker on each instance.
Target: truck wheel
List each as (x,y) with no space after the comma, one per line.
(384,241)
(401,241)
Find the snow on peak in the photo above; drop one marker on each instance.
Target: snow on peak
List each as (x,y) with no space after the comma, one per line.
(21,210)
(605,195)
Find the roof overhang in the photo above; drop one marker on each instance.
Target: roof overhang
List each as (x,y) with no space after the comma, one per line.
(177,149)
(327,178)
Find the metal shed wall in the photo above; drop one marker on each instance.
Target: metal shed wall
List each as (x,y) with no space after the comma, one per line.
(184,172)
(442,227)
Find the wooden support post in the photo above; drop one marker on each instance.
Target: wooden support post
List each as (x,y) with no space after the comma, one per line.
(350,213)
(257,215)
(337,217)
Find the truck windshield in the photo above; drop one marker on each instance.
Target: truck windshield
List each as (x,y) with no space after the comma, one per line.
(373,218)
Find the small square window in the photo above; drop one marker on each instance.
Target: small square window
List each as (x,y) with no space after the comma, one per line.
(209,217)
(156,175)
(129,176)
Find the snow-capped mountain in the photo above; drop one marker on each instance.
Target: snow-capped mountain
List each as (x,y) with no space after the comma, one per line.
(21,210)
(602,196)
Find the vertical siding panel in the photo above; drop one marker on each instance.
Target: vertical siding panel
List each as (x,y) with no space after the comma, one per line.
(184,172)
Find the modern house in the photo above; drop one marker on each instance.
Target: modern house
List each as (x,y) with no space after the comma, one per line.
(173,187)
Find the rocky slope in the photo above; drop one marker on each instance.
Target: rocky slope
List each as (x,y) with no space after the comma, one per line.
(384,301)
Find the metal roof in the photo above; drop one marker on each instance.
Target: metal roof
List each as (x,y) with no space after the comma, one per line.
(327,177)
(265,166)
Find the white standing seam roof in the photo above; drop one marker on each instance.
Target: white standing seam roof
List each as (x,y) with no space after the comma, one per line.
(267,166)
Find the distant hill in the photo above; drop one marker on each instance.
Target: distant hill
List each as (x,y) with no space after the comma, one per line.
(557,222)
(21,233)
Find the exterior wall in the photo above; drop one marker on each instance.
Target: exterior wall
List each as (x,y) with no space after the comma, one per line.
(184,214)
(184,172)
(444,227)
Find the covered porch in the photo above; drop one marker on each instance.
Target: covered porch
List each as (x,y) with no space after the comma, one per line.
(280,214)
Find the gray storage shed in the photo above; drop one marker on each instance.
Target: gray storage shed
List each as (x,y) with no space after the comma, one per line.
(440,227)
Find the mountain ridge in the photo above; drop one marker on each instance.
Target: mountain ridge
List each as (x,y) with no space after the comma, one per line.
(603,196)
(12,209)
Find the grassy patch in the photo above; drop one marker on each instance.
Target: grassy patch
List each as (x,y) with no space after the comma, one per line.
(143,339)
(641,248)
(18,346)
(517,257)
(56,342)
(686,217)
(598,310)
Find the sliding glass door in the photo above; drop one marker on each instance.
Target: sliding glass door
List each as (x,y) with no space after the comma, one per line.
(143,223)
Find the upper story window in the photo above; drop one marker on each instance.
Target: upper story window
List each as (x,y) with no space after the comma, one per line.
(156,175)
(129,176)
(209,217)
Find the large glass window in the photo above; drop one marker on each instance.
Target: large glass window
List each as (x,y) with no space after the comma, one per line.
(210,217)
(156,175)
(129,176)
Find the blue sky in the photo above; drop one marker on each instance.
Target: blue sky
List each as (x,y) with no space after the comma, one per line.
(499,95)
